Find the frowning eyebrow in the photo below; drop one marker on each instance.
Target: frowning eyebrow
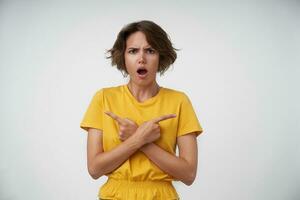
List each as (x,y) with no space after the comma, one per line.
(139,48)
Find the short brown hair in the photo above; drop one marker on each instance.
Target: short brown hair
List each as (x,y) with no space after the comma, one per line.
(156,37)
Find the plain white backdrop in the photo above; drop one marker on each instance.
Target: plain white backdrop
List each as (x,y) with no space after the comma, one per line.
(239,64)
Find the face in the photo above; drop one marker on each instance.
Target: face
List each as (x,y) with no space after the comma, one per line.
(141,60)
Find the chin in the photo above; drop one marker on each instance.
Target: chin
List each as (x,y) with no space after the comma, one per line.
(144,82)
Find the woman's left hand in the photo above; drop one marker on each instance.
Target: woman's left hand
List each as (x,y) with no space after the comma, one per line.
(127,127)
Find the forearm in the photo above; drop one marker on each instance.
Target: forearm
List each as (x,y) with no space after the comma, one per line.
(106,162)
(171,164)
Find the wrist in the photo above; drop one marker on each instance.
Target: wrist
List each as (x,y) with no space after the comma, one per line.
(145,147)
(138,140)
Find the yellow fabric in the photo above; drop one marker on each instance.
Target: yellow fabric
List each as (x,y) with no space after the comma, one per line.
(137,190)
(138,177)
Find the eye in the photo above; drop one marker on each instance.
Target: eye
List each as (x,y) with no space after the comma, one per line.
(151,51)
(131,51)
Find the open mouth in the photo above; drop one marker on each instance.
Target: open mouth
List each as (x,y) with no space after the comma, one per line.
(142,71)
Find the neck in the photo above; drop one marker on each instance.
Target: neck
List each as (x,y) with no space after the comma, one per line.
(142,93)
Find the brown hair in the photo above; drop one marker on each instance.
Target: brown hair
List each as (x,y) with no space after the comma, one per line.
(156,37)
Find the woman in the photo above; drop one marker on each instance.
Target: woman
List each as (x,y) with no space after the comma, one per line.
(133,129)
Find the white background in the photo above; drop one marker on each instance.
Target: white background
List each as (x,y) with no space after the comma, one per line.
(239,64)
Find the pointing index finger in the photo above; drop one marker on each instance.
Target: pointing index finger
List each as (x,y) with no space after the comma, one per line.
(114,116)
(164,117)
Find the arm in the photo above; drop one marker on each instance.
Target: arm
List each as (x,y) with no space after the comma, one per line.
(101,163)
(184,167)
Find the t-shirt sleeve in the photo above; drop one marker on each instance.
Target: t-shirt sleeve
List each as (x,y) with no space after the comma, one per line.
(93,117)
(188,121)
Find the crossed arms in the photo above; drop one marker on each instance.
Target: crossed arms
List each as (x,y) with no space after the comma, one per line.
(141,138)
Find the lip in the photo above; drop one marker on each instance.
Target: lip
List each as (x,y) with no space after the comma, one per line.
(142,76)
(141,67)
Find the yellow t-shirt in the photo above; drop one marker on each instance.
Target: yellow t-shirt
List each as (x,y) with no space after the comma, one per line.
(151,181)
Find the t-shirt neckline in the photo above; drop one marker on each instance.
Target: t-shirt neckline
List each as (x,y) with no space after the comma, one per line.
(148,101)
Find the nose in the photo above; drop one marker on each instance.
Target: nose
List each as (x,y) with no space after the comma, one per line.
(142,59)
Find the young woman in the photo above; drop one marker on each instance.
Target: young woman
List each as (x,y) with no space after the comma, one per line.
(133,129)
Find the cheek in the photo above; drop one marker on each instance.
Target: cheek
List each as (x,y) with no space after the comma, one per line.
(129,63)
(155,63)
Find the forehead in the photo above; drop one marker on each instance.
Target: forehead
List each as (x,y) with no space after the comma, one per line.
(136,39)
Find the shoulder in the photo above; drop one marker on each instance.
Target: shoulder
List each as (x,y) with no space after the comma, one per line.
(109,91)
(175,94)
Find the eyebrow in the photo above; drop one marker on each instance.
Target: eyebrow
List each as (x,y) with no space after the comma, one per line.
(139,48)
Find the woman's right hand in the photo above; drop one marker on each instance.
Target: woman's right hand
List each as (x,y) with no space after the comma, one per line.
(149,131)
